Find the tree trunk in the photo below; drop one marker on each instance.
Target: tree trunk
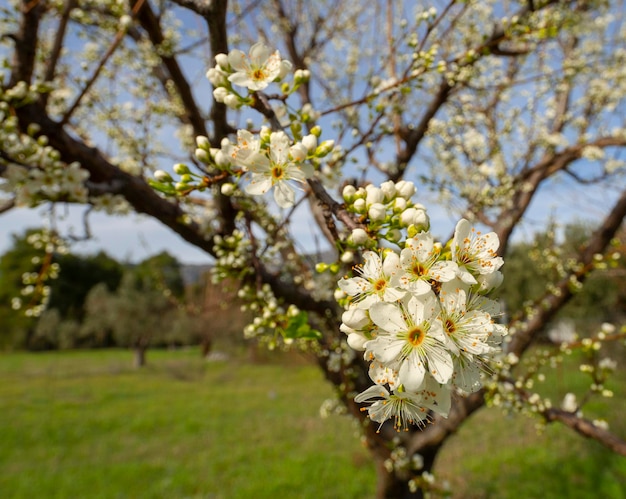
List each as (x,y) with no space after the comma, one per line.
(139,359)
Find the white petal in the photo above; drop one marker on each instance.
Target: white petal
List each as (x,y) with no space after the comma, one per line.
(357,341)
(237,60)
(440,364)
(258,163)
(411,373)
(284,195)
(391,264)
(372,266)
(373,392)
(443,271)
(388,316)
(355,318)
(259,184)
(259,52)
(386,349)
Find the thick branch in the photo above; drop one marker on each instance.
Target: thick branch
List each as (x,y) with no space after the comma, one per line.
(150,23)
(23,63)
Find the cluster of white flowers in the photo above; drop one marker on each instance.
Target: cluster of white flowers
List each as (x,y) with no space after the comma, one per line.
(37,173)
(424,323)
(385,212)
(254,71)
(272,160)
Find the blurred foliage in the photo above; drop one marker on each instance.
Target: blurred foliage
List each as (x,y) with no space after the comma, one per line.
(532,266)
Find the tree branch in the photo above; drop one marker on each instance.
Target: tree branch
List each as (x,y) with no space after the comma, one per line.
(150,23)
(547,307)
(586,428)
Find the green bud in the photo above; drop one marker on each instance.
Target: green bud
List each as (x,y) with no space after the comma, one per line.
(163,176)
(325,148)
(181,169)
(186,178)
(316,130)
(33,129)
(203,156)
(321,267)
(203,142)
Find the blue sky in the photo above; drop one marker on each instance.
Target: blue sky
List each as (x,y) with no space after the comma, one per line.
(133,238)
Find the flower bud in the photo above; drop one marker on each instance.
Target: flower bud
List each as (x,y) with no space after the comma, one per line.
(359,236)
(203,156)
(222,61)
(389,190)
(407,216)
(125,21)
(405,189)
(265,133)
(217,77)
(325,148)
(221,159)
(219,94)
(399,205)
(321,267)
(348,193)
(163,176)
(377,212)
(203,142)
(301,76)
(421,220)
(394,235)
(298,152)
(310,142)
(347,257)
(374,195)
(355,318)
(181,169)
(359,205)
(316,130)
(232,101)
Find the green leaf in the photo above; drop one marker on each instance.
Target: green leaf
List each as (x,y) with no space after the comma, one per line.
(298,327)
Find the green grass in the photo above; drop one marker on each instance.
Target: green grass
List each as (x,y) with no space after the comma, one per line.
(497,455)
(87,425)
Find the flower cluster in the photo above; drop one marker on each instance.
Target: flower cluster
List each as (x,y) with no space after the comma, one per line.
(423,321)
(271,160)
(254,71)
(385,212)
(34,170)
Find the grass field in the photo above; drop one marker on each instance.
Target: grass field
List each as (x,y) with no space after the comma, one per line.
(86,425)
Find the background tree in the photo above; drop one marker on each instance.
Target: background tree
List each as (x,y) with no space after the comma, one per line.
(486,103)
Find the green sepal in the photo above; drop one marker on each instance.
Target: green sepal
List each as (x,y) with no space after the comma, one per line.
(161,187)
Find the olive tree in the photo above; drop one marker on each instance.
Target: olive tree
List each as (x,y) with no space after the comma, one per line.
(372,110)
